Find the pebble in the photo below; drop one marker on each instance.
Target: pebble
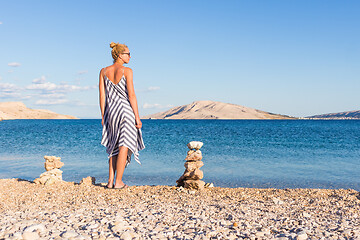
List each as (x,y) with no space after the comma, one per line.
(30,235)
(301,235)
(35,227)
(72,211)
(69,234)
(125,236)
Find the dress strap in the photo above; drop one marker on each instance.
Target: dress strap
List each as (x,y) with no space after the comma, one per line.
(104,70)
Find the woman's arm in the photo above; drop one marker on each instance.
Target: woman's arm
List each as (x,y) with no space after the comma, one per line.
(102,95)
(132,96)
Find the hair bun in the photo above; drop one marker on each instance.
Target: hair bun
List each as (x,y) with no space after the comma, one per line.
(112,44)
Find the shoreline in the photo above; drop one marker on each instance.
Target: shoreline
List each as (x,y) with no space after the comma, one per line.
(79,211)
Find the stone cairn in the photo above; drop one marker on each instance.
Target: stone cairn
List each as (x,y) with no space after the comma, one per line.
(53,173)
(192,176)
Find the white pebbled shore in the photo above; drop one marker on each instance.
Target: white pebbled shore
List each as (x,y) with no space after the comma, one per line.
(71,211)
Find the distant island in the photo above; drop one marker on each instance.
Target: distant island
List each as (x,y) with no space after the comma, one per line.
(340,115)
(214,110)
(18,110)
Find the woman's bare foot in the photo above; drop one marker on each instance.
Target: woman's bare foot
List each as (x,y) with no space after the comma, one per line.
(120,185)
(110,184)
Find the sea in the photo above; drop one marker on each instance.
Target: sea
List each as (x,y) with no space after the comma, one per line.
(236,153)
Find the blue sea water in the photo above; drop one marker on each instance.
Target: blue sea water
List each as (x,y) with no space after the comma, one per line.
(236,153)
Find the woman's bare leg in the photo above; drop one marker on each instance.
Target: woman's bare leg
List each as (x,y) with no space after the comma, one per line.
(112,168)
(120,166)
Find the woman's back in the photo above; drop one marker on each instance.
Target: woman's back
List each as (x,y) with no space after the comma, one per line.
(114,73)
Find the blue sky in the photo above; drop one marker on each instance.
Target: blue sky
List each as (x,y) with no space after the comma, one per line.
(297,58)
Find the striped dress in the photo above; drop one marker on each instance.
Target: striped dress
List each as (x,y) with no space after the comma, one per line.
(119,121)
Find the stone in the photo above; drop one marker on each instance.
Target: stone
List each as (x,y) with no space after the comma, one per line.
(54,172)
(197,174)
(191,166)
(49,177)
(37,181)
(49,166)
(69,234)
(52,162)
(58,164)
(191,151)
(194,175)
(194,184)
(51,158)
(277,201)
(209,185)
(120,226)
(50,180)
(301,236)
(194,156)
(35,227)
(88,181)
(125,236)
(41,180)
(30,235)
(180,182)
(195,145)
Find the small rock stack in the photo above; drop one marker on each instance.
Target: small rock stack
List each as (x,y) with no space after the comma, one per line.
(193,175)
(88,181)
(53,173)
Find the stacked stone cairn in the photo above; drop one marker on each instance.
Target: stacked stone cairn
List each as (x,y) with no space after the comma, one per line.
(192,176)
(53,173)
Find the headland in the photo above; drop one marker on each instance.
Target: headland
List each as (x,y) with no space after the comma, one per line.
(18,110)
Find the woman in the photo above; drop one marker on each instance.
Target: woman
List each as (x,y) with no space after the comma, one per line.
(121,134)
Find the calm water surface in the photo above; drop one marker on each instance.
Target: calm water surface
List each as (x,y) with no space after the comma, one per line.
(237,153)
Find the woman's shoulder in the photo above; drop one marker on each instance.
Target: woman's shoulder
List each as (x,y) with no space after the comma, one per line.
(127,70)
(104,68)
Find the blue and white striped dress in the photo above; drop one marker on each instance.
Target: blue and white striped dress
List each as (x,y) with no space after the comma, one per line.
(119,121)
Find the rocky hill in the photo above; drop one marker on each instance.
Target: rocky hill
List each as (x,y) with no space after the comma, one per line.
(340,115)
(214,110)
(18,110)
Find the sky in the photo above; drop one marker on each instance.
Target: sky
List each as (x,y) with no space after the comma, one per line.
(297,58)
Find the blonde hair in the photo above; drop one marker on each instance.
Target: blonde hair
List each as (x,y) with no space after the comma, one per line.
(117,49)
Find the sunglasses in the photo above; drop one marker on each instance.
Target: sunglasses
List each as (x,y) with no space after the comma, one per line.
(126,53)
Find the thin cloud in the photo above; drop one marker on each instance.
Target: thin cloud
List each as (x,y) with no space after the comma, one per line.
(14,64)
(8,87)
(0,78)
(148,105)
(53,95)
(52,87)
(1,23)
(83,72)
(48,86)
(51,101)
(10,95)
(42,79)
(9,90)
(155,105)
(150,89)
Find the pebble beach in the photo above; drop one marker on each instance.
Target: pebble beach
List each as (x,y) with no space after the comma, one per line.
(68,210)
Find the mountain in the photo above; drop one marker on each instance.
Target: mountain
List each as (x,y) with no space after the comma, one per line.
(18,110)
(340,115)
(214,110)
